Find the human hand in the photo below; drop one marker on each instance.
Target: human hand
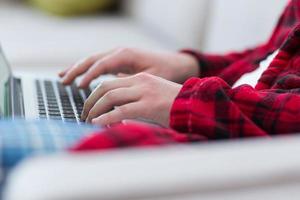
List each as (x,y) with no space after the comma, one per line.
(142,96)
(176,67)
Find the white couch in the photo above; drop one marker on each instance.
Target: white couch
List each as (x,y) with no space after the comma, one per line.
(241,170)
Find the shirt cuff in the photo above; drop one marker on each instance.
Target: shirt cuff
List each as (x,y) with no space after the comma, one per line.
(181,108)
(193,110)
(198,56)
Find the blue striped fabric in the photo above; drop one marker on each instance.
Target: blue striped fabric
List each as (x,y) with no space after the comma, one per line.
(20,139)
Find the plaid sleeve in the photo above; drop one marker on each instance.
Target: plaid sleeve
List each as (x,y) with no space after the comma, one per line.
(210,107)
(214,64)
(133,135)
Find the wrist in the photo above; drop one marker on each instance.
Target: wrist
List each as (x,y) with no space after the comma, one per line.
(190,64)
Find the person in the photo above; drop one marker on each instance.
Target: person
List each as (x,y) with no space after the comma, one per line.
(190,93)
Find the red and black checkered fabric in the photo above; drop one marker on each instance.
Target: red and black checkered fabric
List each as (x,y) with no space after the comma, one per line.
(208,108)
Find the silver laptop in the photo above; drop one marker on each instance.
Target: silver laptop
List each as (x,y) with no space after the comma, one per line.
(30,98)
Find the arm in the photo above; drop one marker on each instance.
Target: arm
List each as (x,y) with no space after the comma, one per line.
(211,108)
(213,64)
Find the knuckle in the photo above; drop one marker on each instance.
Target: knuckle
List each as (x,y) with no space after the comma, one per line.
(94,56)
(125,50)
(143,76)
(88,59)
(92,114)
(107,117)
(90,75)
(103,86)
(123,110)
(110,96)
(81,63)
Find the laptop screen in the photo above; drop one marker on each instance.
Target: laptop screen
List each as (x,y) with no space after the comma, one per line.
(4,83)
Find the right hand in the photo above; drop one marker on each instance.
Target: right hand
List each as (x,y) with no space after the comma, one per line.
(176,67)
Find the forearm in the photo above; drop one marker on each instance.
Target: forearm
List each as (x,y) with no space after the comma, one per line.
(210,107)
(214,64)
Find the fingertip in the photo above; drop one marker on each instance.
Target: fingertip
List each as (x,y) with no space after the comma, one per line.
(64,82)
(83,116)
(98,121)
(61,74)
(84,84)
(95,121)
(122,75)
(87,120)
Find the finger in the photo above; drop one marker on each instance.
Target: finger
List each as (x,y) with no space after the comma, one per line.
(101,90)
(63,73)
(122,75)
(82,66)
(112,99)
(109,64)
(152,71)
(125,112)
(78,69)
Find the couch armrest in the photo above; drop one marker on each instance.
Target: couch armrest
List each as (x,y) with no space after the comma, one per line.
(256,169)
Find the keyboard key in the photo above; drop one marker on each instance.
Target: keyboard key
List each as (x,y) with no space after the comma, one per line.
(41,102)
(70,120)
(87,92)
(53,106)
(62,108)
(75,90)
(68,112)
(54,113)
(69,116)
(55,117)
(41,107)
(42,112)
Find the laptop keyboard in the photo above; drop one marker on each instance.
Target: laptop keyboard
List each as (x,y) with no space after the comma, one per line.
(59,102)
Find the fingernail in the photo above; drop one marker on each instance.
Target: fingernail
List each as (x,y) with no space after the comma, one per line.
(64,81)
(81,85)
(61,73)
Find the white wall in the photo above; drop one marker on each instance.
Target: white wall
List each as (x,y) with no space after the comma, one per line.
(236,24)
(177,21)
(212,25)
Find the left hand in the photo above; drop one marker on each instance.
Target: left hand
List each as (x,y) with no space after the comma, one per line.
(141,96)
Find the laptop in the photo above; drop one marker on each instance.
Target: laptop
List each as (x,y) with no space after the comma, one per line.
(34,98)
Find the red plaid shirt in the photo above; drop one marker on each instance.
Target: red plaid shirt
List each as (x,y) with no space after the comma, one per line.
(208,108)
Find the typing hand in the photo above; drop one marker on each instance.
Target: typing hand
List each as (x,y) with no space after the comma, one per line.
(176,67)
(140,96)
